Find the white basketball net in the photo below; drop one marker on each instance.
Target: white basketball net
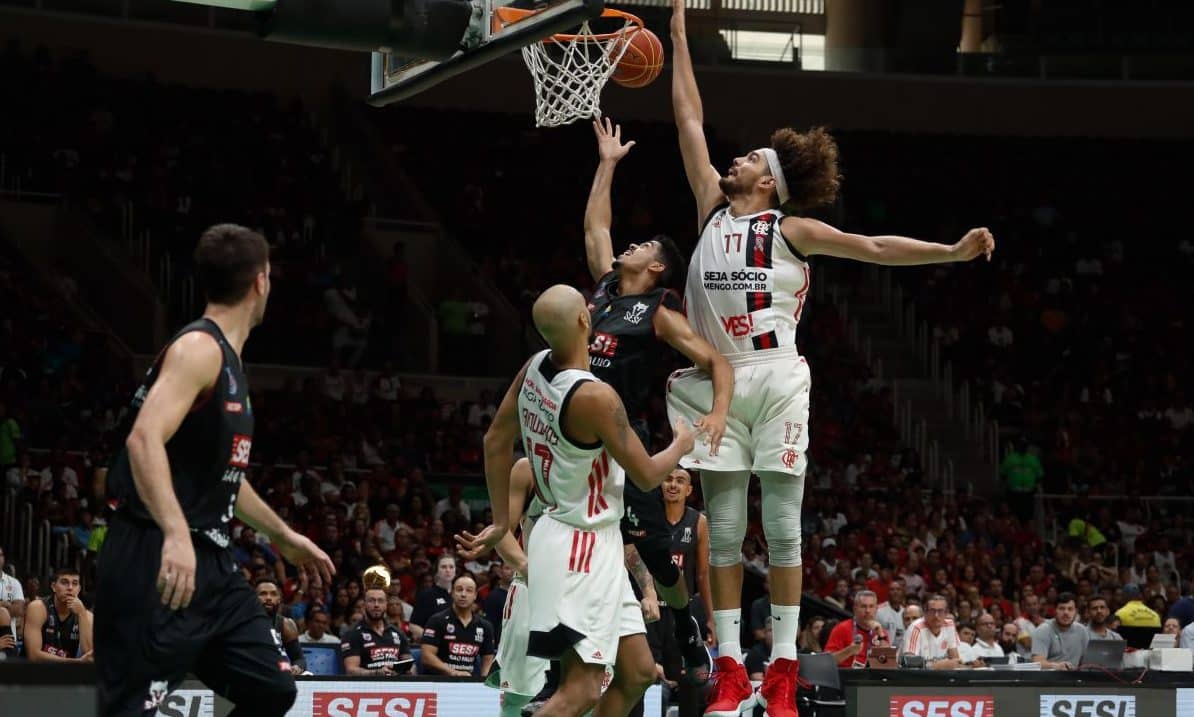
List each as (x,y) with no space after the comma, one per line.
(570,73)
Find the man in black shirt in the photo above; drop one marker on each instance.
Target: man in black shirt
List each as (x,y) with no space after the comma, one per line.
(285,628)
(632,310)
(374,646)
(178,482)
(456,642)
(58,628)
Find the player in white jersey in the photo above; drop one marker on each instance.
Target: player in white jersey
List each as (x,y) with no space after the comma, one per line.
(578,439)
(518,675)
(747,285)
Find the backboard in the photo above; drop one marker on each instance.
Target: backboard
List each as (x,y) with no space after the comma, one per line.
(396,78)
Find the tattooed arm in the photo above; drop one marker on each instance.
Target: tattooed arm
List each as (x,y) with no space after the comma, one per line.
(638,571)
(596,411)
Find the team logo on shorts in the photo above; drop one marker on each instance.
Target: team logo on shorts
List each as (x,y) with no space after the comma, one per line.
(158,689)
(788,458)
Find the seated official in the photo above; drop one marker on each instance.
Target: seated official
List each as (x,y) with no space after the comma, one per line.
(850,640)
(1060,642)
(1137,621)
(933,637)
(986,638)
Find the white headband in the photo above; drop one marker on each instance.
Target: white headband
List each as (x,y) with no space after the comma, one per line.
(781,183)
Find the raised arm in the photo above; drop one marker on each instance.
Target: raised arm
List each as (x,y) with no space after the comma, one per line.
(690,119)
(190,368)
(597,411)
(672,327)
(599,248)
(810,237)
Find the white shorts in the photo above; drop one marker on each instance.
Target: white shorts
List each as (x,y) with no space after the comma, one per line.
(580,592)
(767,426)
(520,673)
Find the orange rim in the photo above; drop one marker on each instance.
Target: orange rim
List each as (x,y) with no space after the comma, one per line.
(503,16)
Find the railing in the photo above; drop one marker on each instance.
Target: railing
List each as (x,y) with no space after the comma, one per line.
(976,426)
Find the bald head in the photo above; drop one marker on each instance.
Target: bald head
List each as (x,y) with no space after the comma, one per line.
(561,315)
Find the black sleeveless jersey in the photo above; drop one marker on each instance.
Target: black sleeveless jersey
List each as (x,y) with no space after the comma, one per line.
(208,454)
(684,536)
(623,349)
(59,637)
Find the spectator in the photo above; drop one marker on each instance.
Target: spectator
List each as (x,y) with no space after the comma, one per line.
(995,596)
(914,583)
(58,628)
(1030,617)
(912,613)
(1165,561)
(810,640)
(933,637)
(457,642)
(891,613)
(318,622)
(851,640)
(1137,621)
(986,638)
(1059,643)
(10,437)
(387,527)
(966,643)
(374,646)
(453,501)
(17,476)
(1023,473)
(350,337)
(58,476)
(1100,619)
(433,599)
(1009,640)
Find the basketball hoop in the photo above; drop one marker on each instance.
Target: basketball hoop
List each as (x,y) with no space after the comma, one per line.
(570,70)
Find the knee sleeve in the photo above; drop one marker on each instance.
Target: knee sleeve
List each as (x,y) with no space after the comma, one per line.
(783,497)
(725,504)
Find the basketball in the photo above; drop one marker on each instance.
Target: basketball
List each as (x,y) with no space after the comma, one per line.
(642,61)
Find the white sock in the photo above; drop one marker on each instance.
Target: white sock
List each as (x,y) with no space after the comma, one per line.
(785,624)
(728,624)
(512,704)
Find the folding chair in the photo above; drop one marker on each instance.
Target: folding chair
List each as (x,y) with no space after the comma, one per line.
(827,698)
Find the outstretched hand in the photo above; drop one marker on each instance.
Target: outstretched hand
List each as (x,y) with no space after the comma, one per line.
(977,241)
(609,140)
(304,554)
(473,546)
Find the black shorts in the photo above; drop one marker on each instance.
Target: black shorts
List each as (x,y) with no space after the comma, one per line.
(644,525)
(143,649)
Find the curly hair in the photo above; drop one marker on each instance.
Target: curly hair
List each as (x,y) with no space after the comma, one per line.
(809,162)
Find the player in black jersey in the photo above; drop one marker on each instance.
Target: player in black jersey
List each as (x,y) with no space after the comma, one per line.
(169,598)
(287,631)
(374,646)
(59,628)
(633,310)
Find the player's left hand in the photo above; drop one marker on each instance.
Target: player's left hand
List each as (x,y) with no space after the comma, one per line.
(650,606)
(714,426)
(482,542)
(977,241)
(305,555)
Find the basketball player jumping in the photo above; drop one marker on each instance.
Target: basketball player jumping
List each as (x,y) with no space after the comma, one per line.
(632,310)
(579,440)
(747,284)
(179,481)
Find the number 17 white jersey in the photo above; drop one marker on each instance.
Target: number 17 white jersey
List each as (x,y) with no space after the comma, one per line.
(746,284)
(577,483)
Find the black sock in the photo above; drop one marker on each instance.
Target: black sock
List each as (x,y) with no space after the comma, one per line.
(685,627)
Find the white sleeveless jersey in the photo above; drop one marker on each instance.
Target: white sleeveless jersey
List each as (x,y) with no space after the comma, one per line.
(578,484)
(746,284)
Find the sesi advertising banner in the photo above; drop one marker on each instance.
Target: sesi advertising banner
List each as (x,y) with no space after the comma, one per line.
(398,698)
(942,706)
(1087,705)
